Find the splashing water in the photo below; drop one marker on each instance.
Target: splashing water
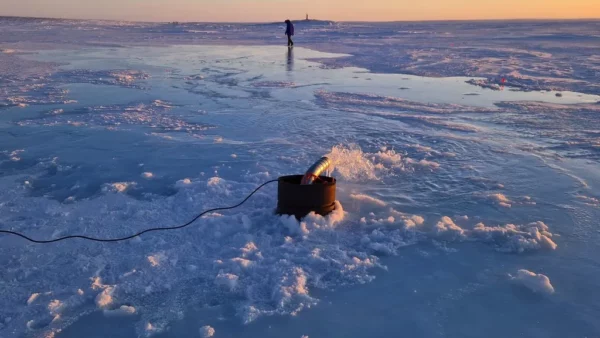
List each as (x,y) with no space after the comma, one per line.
(352,164)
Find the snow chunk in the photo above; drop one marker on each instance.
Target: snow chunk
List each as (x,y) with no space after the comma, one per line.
(104,298)
(248,249)
(119,186)
(162,104)
(591,201)
(291,292)
(500,199)
(182,183)
(313,221)
(207,331)
(218,185)
(152,329)
(513,238)
(250,313)
(413,221)
(448,229)
(423,163)
(157,259)
(55,307)
(14,155)
(395,219)
(357,264)
(123,311)
(336,216)
(32,298)
(228,280)
(293,225)
(242,262)
(537,283)
(420,148)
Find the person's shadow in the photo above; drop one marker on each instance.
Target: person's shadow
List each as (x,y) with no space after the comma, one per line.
(290,60)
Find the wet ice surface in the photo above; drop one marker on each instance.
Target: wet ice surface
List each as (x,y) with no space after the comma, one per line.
(444,197)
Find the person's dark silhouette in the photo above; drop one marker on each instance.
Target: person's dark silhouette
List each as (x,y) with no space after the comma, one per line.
(289,31)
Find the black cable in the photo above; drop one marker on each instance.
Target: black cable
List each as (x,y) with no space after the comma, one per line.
(141,232)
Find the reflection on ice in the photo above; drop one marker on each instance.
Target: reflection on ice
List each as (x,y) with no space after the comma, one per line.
(290,60)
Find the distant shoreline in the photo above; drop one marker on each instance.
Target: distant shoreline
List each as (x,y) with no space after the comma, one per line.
(304,20)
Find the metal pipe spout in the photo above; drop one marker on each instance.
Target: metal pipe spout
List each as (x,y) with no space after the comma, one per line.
(315,170)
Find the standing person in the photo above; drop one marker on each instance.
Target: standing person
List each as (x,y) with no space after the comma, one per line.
(289,31)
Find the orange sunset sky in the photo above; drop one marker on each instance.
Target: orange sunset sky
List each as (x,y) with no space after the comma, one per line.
(275,10)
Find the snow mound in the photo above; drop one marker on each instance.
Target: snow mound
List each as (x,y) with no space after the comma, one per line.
(537,283)
(105,298)
(207,331)
(183,183)
(151,329)
(147,175)
(514,238)
(399,229)
(500,199)
(423,163)
(119,187)
(32,298)
(314,221)
(122,311)
(228,280)
(447,229)
(590,201)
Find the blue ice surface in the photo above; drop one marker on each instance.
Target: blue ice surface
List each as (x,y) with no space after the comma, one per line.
(230,117)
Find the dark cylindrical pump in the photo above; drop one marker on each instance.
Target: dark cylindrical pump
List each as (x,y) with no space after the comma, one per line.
(299,195)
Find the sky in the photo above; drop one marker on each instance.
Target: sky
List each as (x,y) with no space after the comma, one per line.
(275,10)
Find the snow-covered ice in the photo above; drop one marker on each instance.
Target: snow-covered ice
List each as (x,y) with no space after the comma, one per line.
(457,165)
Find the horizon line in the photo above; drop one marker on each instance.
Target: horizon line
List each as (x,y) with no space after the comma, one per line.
(300,20)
